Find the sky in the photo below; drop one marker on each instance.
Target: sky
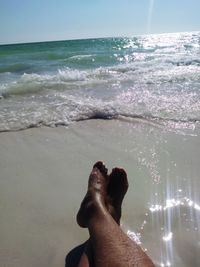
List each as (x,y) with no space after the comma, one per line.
(48,20)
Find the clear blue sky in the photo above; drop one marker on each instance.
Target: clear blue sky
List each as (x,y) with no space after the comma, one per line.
(41,20)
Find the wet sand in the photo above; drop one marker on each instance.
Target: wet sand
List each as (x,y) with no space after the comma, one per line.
(44,176)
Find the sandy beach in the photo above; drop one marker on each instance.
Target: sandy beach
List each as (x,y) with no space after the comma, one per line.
(111,81)
(44,175)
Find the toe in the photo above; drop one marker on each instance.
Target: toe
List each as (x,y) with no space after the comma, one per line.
(102,168)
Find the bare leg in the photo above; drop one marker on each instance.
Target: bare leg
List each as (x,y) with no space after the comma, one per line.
(82,256)
(111,246)
(117,185)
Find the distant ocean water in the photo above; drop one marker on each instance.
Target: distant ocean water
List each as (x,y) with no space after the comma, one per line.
(154,77)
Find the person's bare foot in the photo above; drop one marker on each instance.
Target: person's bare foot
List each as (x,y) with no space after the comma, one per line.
(109,190)
(96,196)
(112,188)
(116,190)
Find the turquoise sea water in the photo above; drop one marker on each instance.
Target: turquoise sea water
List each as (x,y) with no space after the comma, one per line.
(156,77)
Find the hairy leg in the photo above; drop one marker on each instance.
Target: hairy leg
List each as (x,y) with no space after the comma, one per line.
(87,207)
(117,186)
(97,185)
(111,246)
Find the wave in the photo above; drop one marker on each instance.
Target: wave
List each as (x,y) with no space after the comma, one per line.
(131,73)
(80,57)
(64,79)
(195,62)
(36,83)
(171,124)
(173,109)
(150,78)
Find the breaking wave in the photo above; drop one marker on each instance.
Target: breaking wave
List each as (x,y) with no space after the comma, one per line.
(153,78)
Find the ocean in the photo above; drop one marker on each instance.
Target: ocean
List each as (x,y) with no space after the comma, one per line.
(153,77)
(131,102)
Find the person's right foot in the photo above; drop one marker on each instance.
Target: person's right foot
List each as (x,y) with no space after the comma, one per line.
(96,196)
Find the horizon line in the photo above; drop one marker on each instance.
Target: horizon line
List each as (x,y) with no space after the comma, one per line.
(90,38)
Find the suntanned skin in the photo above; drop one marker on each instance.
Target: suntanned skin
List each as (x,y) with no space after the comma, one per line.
(110,246)
(117,186)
